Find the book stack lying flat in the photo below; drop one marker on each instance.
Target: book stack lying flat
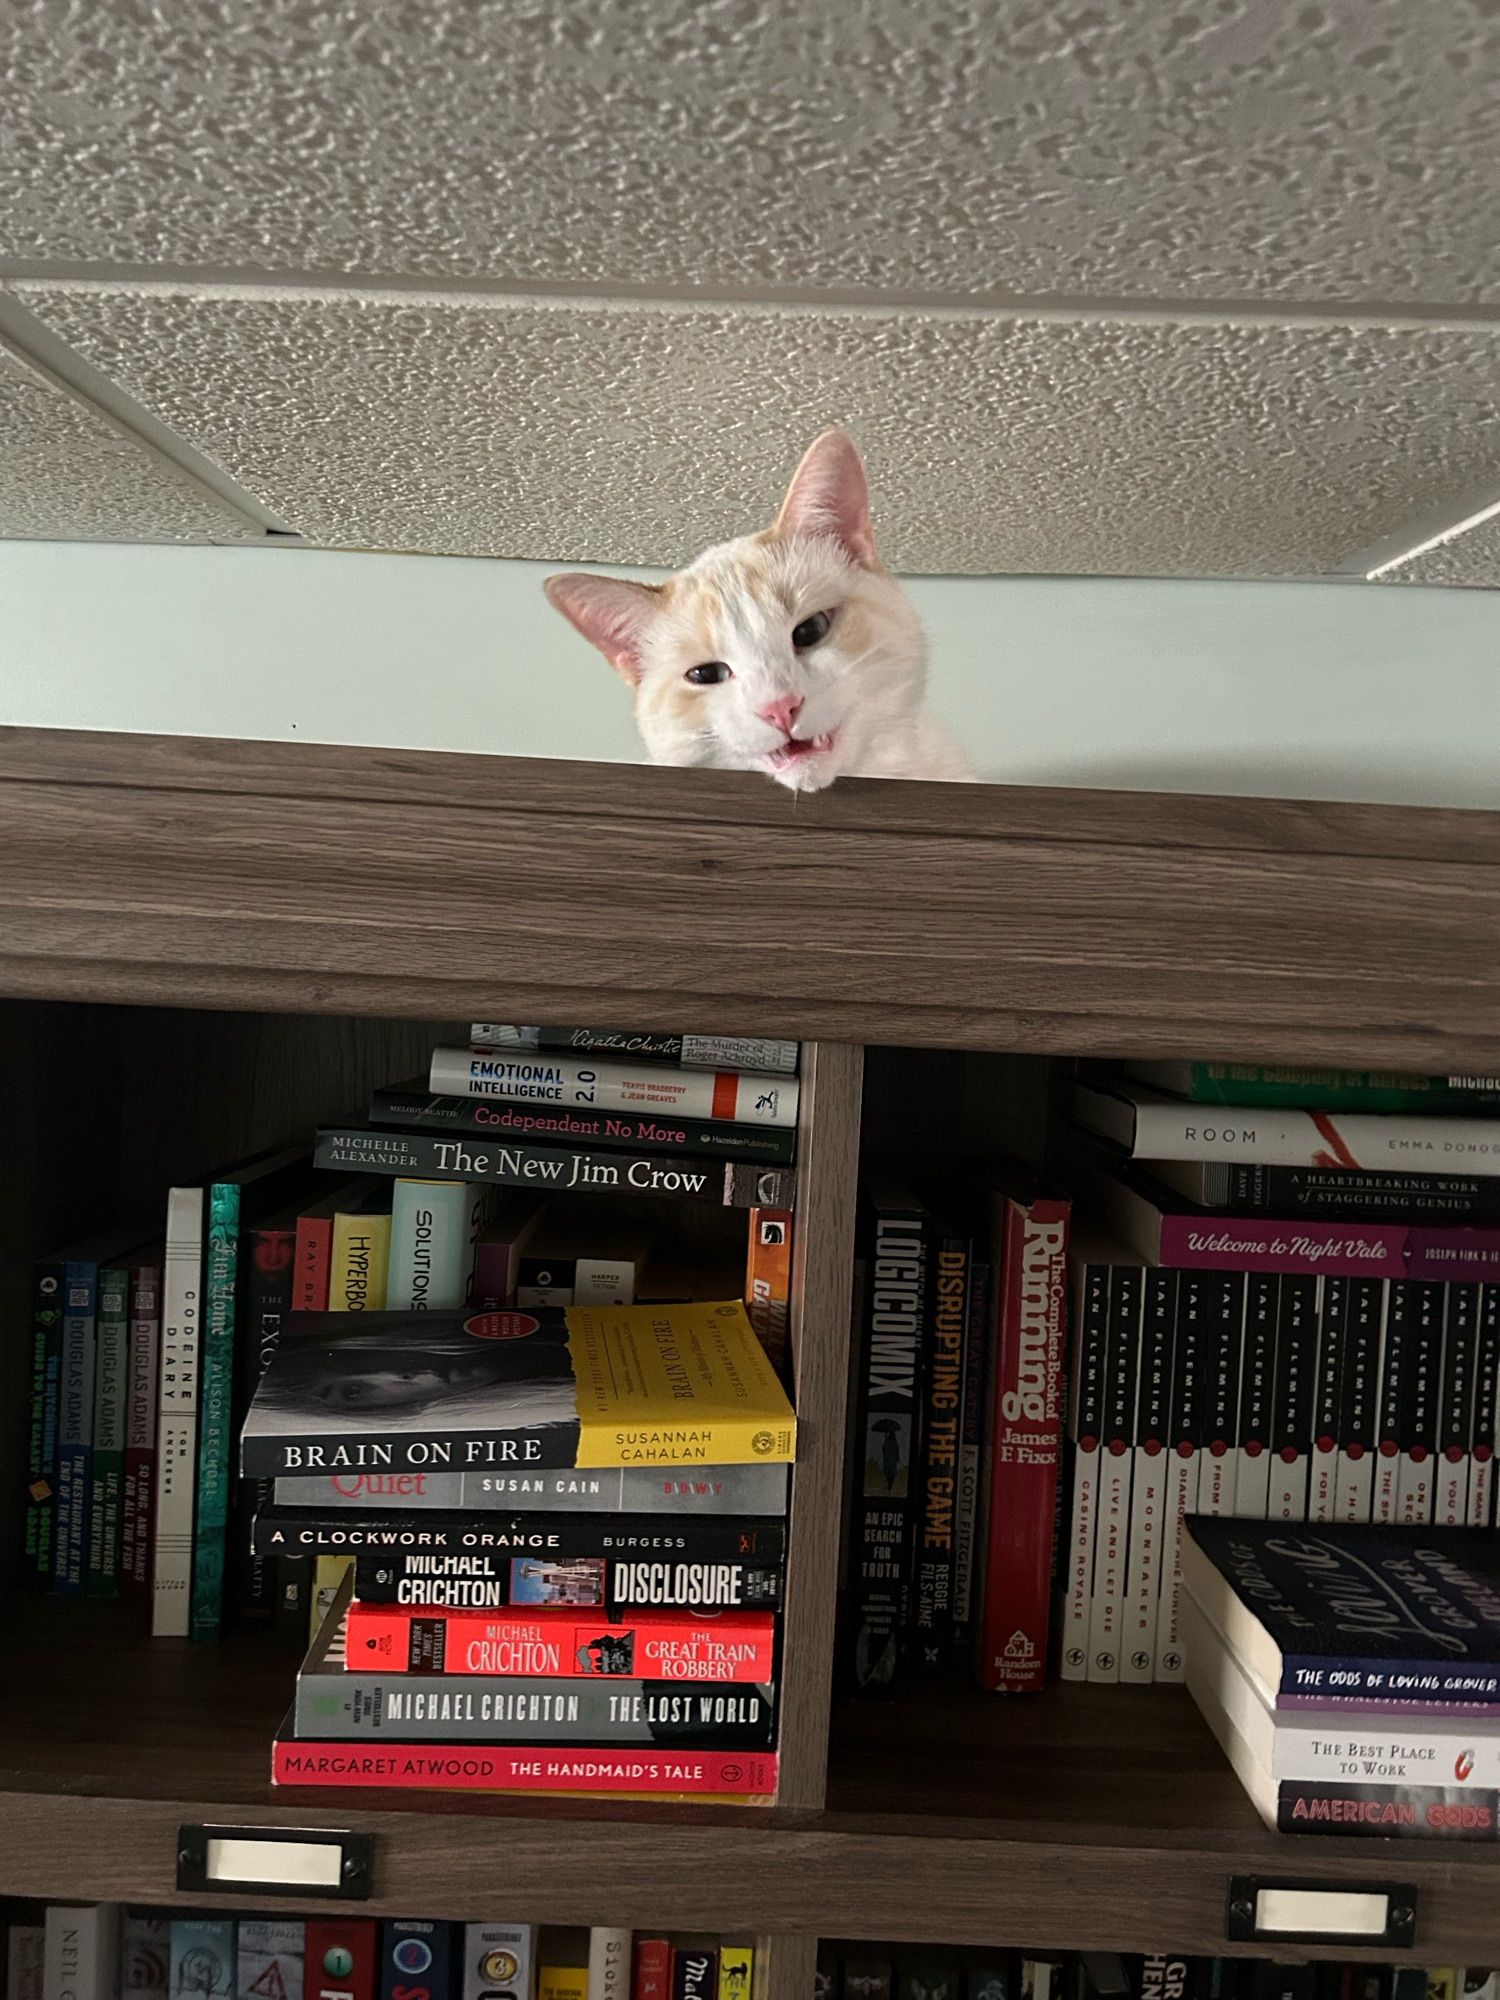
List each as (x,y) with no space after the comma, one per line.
(1350,1673)
(566,1647)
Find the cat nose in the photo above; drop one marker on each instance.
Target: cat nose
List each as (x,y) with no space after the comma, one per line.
(782,713)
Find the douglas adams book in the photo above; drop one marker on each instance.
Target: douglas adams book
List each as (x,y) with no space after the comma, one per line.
(557,1386)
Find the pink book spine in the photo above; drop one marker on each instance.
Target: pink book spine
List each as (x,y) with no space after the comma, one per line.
(1328,1249)
(486,1768)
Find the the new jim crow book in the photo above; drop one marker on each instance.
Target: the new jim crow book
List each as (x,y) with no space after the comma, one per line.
(680,1385)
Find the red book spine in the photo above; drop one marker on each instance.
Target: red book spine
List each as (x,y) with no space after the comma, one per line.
(340,1962)
(653,1969)
(494,1768)
(1026,1434)
(314,1255)
(557,1641)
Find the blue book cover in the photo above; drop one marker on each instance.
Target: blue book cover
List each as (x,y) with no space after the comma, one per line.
(1361,1612)
(202,1959)
(418,1960)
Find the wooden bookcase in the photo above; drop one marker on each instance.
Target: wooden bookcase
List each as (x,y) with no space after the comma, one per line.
(205,945)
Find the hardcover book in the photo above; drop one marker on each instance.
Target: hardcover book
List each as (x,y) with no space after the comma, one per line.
(583,1386)
(482,1767)
(413,1107)
(742,1097)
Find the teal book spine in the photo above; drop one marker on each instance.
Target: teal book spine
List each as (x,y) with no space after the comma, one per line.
(215,1406)
(107,1466)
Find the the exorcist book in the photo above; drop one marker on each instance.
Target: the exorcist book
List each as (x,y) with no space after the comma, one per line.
(582,1386)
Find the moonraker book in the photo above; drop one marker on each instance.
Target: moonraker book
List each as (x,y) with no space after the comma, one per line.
(586,1386)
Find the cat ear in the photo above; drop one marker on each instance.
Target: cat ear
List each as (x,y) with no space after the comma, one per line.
(829,495)
(610,613)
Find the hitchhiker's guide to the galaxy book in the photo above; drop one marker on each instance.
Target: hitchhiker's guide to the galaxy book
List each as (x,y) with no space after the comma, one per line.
(588,1386)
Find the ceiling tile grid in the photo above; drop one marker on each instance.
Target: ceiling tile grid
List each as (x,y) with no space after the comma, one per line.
(637,435)
(1194,149)
(67,473)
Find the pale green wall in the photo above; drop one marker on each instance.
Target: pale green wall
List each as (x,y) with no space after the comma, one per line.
(1311,690)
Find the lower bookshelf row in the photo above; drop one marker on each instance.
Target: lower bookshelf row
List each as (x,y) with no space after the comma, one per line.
(1095,1818)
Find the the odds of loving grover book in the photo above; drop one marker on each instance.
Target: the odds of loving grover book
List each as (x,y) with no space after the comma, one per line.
(588,1386)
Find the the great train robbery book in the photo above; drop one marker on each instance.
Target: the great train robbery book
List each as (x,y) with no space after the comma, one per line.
(555,1386)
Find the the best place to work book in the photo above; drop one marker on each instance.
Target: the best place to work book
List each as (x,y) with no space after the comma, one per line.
(680,1385)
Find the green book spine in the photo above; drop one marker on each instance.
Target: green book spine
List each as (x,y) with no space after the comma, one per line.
(107,1475)
(1262,1086)
(215,1402)
(46,1368)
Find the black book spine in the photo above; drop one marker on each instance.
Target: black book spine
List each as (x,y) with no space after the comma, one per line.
(1390,1419)
(1331,1193)
(266,1271)
(1359,1397)
(421,1111)
(1223,1307)
(695,1972)
(552,1169)
(1420,1401)
(1090,1346)
(618,1585)
(1252,1479)
(1182,1485)
(1293,1397)
(1333,1308)
(942,1421)
(887,1445)
(1450,1506)
(1153,1413)
(1386,1812)
(1481,1511)
(311,1531)
(979,1328)
(1116,1467)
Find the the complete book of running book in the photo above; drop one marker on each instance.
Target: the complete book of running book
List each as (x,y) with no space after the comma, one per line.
(606,1386)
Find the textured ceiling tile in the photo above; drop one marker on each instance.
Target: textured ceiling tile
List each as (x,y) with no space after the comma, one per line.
(1336,148)
(1472,559)
(68,475)
(637,435)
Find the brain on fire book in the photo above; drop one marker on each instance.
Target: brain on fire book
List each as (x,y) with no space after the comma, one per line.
(590,1386)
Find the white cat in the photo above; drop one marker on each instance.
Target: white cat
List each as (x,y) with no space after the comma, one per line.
(790,652)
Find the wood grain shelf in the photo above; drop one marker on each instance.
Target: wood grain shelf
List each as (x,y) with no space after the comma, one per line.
(219,942)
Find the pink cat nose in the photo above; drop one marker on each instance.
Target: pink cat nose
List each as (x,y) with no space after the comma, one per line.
(782,713)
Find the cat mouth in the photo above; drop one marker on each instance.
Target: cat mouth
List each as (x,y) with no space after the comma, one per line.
(797,750)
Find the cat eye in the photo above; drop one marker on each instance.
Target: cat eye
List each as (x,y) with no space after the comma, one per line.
(709,674)
(811,630)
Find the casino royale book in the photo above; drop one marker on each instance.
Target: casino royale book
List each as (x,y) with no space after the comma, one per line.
(628,1386)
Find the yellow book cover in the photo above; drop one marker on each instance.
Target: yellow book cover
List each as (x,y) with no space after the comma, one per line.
(736,1971)
(676,1385)
(358,1263)
(562,1982)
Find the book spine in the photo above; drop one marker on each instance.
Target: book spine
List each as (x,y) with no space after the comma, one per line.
(1294,1393)
(1085,1427)
(268,1273)
(313,1261)
(1290,1138)
(49,1291)
(979,1328)
(107,1465)
(526,1768)
(652,1978)
(215,1393)
(140,1429)
(1223,1295)
(1481,1508)
(619,1586)
(1422,1385)
(417,1960)
(1395,1371)
(609,1964)
(358,1262)
(1333,1313)
(736,1972)
(653,1491)
(1107,1598)
(1252,1478)
(768,1282)
(499,1962)
(695,1973)
(1450,1502)
(1359,1398)
(1148,1493)
(937,1484)
(496,1118)
(1025,1430)
(1257,1085)
(434,1227)
(1182,1487)
(80,1952)
(418,1156)
(689,1051)
(1414,1812)
(25,1961)
(724,1561)
(560,1642)
(75,1429)
(887,1444)
(713,1095)
(1334,1192)
(342,1959)
(177,1415)
(270,1960)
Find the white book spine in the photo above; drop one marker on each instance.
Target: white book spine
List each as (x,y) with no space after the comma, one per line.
(1148,1498)
(81,1952)
(177,1414)
(753,1098)
(25,1959)
(1289,1138)
(1178,1500)
(434,1227)
(1073,1645)
(609,1964)
(499,1959)
(1106,1600)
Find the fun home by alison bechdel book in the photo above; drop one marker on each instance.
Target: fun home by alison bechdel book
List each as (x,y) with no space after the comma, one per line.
(555,1386)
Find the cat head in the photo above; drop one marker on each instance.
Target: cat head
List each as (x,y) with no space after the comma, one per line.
(787,652)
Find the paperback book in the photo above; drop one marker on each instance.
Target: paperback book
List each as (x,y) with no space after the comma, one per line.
(412,1107)
(681,1493)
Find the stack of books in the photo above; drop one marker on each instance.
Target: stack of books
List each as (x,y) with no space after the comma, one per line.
(1351,1673)
(478,1184)
(100,1952)
(584,1646)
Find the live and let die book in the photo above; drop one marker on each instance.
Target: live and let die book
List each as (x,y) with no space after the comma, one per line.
(585,1386)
